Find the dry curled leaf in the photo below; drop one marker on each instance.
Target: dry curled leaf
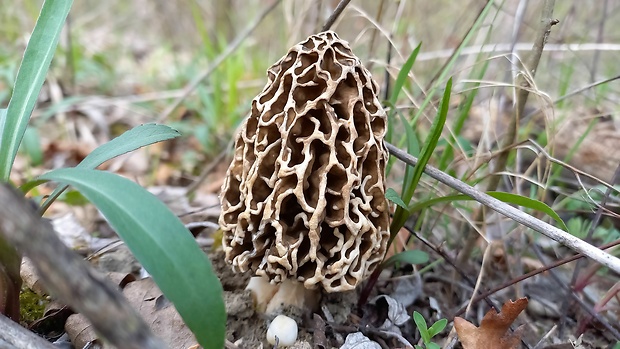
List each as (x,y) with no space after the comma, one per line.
(492,333)
(357,340)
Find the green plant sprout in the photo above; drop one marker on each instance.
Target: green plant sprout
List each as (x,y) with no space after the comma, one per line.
(427,333)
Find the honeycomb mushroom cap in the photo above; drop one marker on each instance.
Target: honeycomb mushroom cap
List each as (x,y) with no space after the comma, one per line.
(304,197)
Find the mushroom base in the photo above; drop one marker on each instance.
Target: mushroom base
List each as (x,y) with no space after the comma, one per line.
(272,298)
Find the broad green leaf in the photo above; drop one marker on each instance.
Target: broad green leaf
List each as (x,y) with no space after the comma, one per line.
(432,345)
(505,197)
(392,195)
(408,257)
(437,327)
(420,322)
(161,243)
(30,77)
(137,137)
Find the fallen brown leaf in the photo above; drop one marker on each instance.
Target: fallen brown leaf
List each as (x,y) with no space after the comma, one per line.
(492,333)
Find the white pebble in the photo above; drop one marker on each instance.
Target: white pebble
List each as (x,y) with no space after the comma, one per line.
(285,329)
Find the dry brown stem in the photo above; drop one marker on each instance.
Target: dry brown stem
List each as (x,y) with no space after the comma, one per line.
(524,83)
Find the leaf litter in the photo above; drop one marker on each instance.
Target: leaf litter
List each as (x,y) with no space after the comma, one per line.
(493,332)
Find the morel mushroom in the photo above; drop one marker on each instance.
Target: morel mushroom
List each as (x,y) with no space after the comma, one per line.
(304,197)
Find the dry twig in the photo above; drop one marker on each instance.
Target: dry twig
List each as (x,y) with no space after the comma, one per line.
(518,216)
(337,12)
(70,278)
(523,81)
(218,60)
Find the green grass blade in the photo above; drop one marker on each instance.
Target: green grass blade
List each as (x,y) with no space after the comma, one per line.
(161,243)
(413,148)
(508,198)
(524,201)
(30,77)
(566,75)
(419,206)
(409,185)
(402,77)
(448,67)
(31,146)
(398,86)
(131,140)
(28,186)
(463,114)
(435,132)
(400,216)
(557,168)
(406,257)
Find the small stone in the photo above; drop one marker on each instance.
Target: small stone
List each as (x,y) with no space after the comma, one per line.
(285,329)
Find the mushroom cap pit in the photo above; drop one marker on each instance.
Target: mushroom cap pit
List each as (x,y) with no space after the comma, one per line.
(304,197)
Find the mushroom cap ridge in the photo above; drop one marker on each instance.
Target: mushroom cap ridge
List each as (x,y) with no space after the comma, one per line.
(304,197)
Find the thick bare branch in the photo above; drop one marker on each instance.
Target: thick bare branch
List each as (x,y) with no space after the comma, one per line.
(69,278)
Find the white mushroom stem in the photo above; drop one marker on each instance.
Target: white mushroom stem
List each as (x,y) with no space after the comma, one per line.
(270,298)
(262,292)
(293,293)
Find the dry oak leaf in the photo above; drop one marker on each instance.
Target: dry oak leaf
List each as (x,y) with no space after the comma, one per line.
(492,333)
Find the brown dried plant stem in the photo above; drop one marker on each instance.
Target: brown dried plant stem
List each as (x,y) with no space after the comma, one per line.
(532,273)
(218,60)
(334,16)
(571,294)
(457,49)
(66,276)
(523,91)
(513,213)
(570,291)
